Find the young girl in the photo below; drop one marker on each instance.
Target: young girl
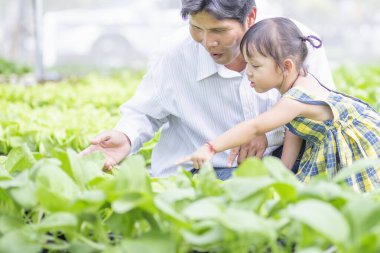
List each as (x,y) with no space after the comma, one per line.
(338,129)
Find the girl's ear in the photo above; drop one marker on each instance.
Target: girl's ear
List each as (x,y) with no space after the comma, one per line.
(288,65)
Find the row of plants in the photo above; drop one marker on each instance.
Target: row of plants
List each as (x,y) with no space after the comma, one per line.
(65,114)
(67,204)
(69,113)
(360,81)
(8,68)
(52,200)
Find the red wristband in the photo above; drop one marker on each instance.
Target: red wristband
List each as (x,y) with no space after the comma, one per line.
(211,147)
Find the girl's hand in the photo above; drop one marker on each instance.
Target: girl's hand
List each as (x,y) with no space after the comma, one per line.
(199,157)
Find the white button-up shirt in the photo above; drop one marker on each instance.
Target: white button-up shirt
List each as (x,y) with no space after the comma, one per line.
(194,100)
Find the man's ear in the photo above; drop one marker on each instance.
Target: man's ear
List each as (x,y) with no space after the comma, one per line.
(251,18)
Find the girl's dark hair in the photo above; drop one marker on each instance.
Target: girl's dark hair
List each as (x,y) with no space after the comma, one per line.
(278,38)
(219,9)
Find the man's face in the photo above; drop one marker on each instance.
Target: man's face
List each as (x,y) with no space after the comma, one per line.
(221,38)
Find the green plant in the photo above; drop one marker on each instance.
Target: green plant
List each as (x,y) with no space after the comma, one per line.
(68,204)
(8,68)
(360,81)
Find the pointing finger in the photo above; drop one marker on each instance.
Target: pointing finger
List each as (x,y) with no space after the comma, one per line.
(183,160)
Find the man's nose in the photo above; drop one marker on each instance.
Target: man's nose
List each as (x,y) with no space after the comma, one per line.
(210,41)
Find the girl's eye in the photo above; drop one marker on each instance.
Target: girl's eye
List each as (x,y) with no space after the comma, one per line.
(255,66)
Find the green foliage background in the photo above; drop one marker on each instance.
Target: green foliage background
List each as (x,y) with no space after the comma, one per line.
(71,112)
(52,200)
(64,114)
(360,81)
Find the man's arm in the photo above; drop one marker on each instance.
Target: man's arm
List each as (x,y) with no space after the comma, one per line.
(142,116)
(139,127)
(146,111)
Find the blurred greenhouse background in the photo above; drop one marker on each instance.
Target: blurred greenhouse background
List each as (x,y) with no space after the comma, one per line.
(66,66)
(82,35)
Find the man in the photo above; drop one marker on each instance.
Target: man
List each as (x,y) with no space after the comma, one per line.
(198,90)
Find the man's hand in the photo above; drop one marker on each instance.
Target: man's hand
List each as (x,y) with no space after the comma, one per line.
(114,144)
(256,147)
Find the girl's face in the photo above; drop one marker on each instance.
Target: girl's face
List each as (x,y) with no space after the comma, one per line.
(263,72)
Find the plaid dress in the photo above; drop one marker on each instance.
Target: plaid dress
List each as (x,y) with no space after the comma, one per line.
(354,133)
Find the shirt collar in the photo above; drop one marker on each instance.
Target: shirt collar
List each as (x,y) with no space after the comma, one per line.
(227,73)
(207,67)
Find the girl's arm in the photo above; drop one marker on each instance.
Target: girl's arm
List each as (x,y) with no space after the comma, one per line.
(283,112)
(291,149)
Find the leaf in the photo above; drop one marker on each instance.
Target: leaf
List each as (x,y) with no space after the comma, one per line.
(205,233)
(169,210)
(363,214)
(130,201)
(150,243)
(173,195)
(9,223)
(84,169)
(207,208)
(55,189)
(21,189)
(279,172)
(4,174)
(25,195)
(77,246)
(19,159)
(58,221)
(326,191)
(7,204)
(134,172)
(251,167)
(286,192)
(323,218)
(20,240)
(312,250)
(244,221)
(88,201)
(240,188)
(207,182)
